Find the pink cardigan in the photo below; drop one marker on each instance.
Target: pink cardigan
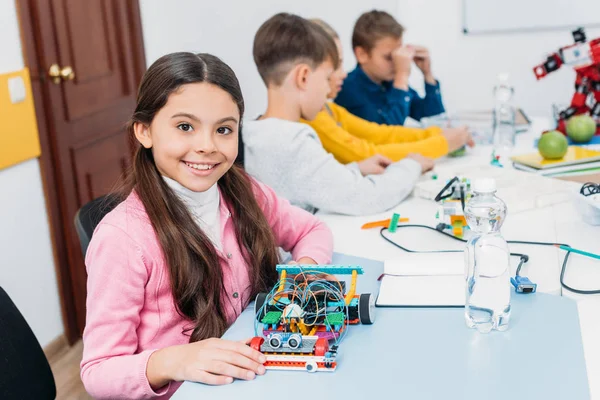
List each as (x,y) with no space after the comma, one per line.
(130,309)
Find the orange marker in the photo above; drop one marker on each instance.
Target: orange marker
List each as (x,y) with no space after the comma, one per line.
(381,224)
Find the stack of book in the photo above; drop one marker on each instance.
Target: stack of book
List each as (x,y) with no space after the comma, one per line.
(577,161)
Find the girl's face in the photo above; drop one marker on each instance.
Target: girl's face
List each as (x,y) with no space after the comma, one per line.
(194,137)
(337,78)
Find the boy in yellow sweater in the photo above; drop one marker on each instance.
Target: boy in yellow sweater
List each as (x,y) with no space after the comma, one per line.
(350,138)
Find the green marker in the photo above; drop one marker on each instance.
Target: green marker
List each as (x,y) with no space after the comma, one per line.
(394,222)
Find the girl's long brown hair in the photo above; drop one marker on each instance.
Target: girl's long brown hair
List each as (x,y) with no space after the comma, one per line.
(192,261)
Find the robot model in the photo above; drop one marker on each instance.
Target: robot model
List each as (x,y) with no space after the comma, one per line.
(308,309)
(584,57)
(451,200)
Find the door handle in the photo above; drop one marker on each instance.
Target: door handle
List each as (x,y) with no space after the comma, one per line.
(56,73)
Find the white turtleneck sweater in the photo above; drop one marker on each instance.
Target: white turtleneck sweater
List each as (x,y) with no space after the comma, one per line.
(204,207)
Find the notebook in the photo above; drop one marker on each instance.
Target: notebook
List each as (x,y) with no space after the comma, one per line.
(595,140)
(575,155)
(423,280)
(591,167)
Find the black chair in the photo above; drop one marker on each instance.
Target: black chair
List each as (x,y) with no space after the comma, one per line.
(88,217)
(24,369)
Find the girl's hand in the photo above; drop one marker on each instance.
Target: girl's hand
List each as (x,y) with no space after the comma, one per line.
(211,361)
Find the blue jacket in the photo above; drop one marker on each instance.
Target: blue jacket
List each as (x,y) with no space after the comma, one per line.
(384,103)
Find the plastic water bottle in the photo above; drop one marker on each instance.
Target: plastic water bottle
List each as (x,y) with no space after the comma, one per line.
(487,260)
(504,132)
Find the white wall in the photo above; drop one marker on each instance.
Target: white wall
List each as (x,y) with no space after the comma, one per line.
(467,65)
(226,29)
(27,270)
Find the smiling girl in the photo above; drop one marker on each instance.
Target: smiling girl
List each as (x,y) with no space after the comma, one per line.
(190,245)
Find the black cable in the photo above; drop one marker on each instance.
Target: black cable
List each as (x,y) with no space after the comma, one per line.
(523,257)
(589,188)
(440,196)
(425,251)
(564,285)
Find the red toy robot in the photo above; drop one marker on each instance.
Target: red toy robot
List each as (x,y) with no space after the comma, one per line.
(584,57)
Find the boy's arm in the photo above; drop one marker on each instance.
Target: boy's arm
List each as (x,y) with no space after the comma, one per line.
(397,106)
(401,104)
(316,178)
(382,133)
(429,105)
(393,142)
(385,107)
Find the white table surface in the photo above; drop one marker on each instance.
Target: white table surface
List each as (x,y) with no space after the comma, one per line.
(557,223)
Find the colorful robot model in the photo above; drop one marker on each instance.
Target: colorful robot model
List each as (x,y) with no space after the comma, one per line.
(308,308)
(304,353)
(452,200)
(584,57)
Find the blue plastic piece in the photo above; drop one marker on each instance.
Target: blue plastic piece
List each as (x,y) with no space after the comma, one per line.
(327,269)
(282,300)
(342,303)
(522,284)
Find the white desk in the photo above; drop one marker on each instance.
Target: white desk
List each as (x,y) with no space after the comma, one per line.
(556,223)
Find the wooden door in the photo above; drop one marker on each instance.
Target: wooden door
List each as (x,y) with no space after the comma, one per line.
(86,60)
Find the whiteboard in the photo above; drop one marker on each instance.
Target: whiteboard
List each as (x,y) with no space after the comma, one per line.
(489,16)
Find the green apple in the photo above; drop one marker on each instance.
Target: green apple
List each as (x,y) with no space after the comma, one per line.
(553,145)
(581,128)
